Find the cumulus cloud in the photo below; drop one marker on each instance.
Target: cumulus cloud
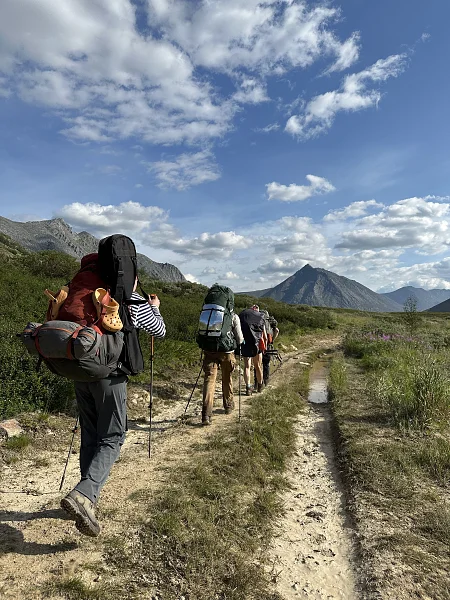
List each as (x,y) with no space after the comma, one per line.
(230,275)
(186,170)
(411,223)
(210,246)
(130,217)
(191,278)
(89,61)
(357,92)
(280,268)
(352,211)
(297,193)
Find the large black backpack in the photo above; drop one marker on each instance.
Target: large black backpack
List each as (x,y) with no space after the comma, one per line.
(118,268)
(252,325)
(215,324)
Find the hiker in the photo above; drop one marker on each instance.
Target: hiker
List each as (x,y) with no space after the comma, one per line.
(253,330)
(102,403)
(272,332)
(218,336)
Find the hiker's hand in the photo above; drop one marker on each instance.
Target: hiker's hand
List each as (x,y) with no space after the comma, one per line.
(154,300)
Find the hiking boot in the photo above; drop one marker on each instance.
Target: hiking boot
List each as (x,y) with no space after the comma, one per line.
(206,421)
(228,410)
(81,510)
(260,387)
(248,390)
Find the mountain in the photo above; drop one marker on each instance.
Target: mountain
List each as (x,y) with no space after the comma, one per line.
(56,234)
(442,307)
(425,298)
(318,287)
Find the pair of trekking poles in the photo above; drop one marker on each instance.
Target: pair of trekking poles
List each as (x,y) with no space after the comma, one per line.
(198,377)
(150,408)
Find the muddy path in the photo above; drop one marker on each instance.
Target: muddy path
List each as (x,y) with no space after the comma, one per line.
(39,545)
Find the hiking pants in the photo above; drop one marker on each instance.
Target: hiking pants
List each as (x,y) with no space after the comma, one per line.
(102,406)
(211,363)
(266,367)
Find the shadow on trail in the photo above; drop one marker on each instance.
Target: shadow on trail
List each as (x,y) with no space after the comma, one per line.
(12,539)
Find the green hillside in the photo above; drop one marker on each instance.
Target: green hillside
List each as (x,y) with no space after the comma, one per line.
(24,276)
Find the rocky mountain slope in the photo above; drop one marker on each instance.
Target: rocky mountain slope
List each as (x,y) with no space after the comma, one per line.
(318,287)
(425,298)
(441,307)
(56,234)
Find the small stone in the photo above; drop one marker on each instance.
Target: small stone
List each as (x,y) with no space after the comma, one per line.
(10,428)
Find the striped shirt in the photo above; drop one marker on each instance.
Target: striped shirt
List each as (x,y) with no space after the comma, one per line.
(147,317)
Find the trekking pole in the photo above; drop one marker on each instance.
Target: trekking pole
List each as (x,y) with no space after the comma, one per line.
(150,406)
(74,430)
(193,389)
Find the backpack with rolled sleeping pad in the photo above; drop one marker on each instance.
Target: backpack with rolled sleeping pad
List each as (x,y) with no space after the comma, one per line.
(215,324)
(88,334)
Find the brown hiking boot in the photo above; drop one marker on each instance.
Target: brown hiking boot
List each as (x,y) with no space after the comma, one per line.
(260,387)
(81,510)
(206,421)
(248,390)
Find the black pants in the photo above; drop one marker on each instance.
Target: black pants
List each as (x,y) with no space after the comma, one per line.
(266,369)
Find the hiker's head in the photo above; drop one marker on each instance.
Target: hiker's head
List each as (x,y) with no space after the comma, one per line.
(255,307)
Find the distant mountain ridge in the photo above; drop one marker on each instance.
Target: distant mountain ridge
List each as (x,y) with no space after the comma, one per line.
(319,287)
(425,298)
(56,234)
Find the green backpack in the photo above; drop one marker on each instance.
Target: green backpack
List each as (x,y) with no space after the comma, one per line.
(214,331)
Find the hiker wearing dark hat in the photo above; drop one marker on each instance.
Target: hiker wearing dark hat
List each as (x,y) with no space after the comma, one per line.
(102,403)
(252,324)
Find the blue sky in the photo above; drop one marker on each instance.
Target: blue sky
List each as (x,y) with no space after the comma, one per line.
(237,140)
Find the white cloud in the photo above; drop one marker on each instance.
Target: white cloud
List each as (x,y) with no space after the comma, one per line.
(186,170)
(209,271)
(357,92)
(412,223)
(129,217)
(229,275)
(352,211)
(281,268)
(268,128)
(138,186)
(191,278)
(210,246)
(89,61)
(297,193)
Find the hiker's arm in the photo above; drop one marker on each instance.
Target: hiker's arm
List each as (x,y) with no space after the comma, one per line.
(237,330)
(148,318)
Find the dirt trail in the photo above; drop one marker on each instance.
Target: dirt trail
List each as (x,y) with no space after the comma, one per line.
(37,543)
(313,554)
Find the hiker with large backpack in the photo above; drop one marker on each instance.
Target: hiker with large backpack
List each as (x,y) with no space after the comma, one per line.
(91,337)
(219,335)
(253,330)
(272,331)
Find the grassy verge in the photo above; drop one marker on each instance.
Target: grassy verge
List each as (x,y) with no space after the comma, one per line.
(391,401)
(205,534)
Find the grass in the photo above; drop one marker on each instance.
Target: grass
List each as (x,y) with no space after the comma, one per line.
(18,443)
(392,418)
(210,525)
(73,588)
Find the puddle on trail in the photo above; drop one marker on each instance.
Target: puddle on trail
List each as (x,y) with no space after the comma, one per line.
(318,382)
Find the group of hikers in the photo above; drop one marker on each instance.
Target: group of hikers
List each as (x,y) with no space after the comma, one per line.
(90,335)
